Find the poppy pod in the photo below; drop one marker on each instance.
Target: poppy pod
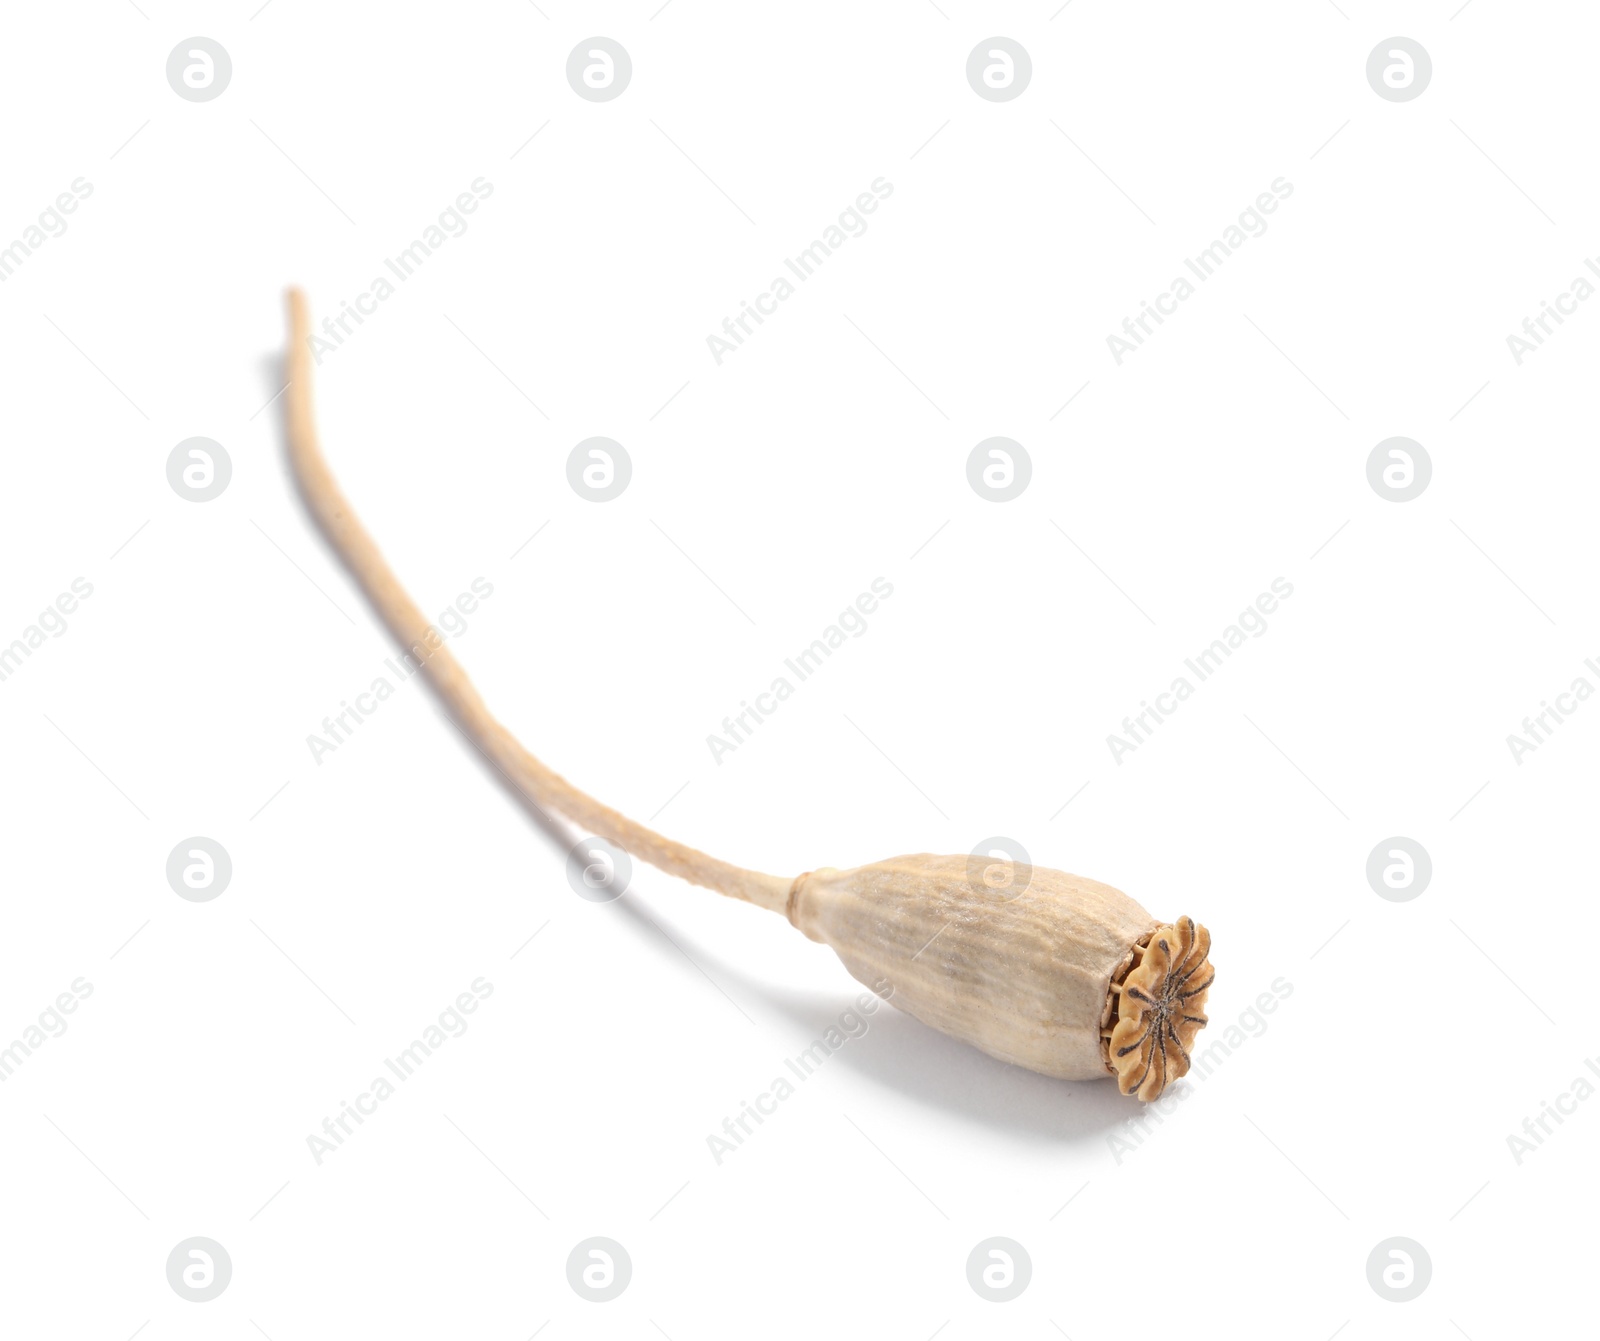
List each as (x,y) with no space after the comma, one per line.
(1066,976)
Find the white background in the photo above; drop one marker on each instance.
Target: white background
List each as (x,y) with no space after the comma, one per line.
(370,889)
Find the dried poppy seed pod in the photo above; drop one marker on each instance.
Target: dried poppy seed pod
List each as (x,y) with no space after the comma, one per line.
(1063,975)
(1053,972)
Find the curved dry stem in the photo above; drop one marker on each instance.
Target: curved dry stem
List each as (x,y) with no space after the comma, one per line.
(542,787)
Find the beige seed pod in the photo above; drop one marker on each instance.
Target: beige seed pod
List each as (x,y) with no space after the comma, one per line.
(1063,975)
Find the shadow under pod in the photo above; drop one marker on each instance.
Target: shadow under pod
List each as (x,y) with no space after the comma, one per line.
(900,1053)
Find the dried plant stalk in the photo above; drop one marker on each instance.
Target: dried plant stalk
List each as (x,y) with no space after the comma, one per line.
(1065,976)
